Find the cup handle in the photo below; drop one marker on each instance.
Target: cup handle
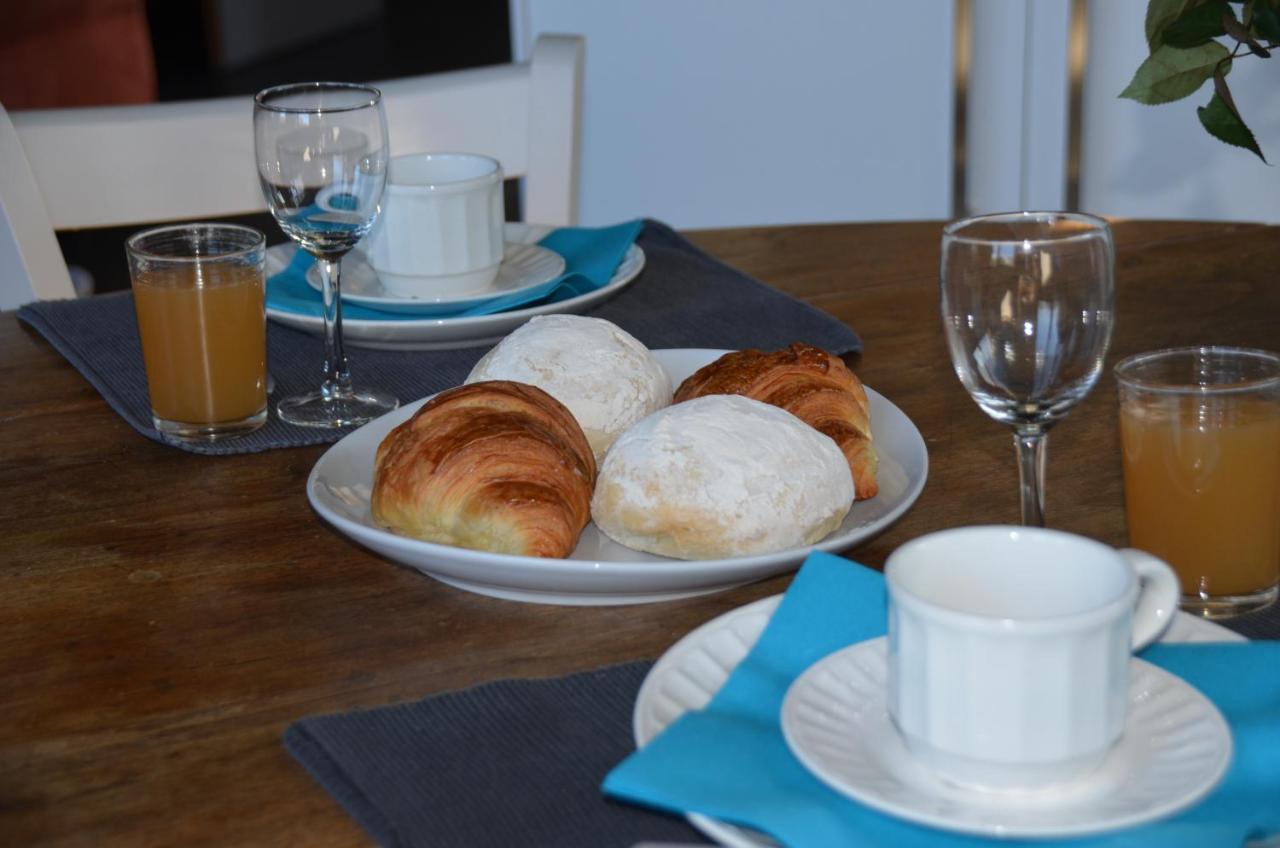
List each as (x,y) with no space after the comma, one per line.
(1158,593)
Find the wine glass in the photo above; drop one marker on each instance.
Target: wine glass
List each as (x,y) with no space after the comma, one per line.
(1027,304)
(322,162)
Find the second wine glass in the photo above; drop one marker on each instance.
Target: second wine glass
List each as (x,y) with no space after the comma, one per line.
(1027,304)
(322,162)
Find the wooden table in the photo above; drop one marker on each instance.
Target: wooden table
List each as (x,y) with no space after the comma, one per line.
(164,616)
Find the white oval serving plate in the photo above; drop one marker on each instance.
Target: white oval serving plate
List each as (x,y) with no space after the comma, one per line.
(601,571)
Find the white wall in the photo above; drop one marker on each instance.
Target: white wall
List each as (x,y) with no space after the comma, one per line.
(1157,161)
(736,112)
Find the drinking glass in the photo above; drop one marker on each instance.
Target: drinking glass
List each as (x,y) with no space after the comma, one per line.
(1200,432)
(198,293)
(1027,304)
(322,162)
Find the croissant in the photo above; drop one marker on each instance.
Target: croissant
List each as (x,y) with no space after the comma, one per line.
(493,466)
(809,383)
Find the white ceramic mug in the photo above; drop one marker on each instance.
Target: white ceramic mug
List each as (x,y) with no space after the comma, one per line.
(440,231)
(1009,650)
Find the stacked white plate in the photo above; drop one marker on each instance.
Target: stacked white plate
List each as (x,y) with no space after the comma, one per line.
(432,324)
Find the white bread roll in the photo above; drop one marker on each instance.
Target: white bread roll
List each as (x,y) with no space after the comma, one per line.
(606,378)
(721,476)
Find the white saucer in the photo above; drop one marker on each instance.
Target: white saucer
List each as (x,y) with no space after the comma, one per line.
(1175,749)
(689,674)
(524,266)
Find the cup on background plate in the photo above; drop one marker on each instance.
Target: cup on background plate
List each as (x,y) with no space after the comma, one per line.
(1200,435)
(441,228)
(1009,650)
(199,294)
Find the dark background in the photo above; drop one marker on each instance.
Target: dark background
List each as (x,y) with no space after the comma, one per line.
(398,38)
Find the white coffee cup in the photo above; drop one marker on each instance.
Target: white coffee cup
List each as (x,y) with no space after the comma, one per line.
(1009,650)
(440,231)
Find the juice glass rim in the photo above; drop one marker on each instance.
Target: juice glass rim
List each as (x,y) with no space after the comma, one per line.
(257,241)
(1125,371)
(953,232)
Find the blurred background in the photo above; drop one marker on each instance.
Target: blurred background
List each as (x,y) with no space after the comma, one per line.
(713,113)
(56,53)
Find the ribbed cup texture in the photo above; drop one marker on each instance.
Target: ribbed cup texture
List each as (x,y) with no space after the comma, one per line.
(430,234)
(1000,708)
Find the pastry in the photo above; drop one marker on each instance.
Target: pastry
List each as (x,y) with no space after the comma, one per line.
(721,476)
(808,382)
(494,466)
(606,378)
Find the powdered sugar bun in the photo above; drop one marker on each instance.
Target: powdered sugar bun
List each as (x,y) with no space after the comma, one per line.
(721,476)
(604,375)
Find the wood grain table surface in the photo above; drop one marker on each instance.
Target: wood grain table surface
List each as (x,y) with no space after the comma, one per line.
(164,616)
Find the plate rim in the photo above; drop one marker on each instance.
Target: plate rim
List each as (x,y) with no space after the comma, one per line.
(1084,827)
(1184,629)
(633,262)
(427,334)
(699,576)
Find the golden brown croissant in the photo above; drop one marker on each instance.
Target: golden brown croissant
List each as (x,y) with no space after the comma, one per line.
(809,383)
(494,466)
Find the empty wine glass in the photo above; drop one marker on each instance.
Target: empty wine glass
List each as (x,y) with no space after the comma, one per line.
(322,162)
(1027,303)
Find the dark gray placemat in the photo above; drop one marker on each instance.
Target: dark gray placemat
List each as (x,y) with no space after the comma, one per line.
(1261,624)
(683,298)
(513,763)
(510,763)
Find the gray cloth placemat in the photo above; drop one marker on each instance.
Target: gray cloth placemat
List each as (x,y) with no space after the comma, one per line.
(514,763)
(1261,624)
(682,298)
(510,763)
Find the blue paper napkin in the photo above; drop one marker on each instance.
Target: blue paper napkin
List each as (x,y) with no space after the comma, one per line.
(731,762)
(591,255)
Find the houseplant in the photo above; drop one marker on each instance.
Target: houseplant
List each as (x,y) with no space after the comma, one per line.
(1194,41)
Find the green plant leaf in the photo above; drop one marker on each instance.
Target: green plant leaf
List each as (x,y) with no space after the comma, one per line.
(1198,25)
(1223,90)
(1170,73)
(1225,125)
(1241,33)
(1266,22)
(1161,13)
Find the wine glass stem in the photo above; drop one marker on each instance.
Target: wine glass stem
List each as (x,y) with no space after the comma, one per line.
(337,379)
(1031,446)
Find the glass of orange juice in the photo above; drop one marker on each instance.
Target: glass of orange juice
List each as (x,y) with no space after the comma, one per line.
(200,298)
(1200,433)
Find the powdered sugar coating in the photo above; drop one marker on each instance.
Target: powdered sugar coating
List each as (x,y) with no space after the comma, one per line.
(604,375)
(721,476)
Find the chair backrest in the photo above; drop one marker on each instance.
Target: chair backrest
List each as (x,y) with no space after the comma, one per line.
(1017,108)
(67,169)
(756,112)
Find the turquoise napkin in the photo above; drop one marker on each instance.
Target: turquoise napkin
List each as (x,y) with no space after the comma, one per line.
(731,762)
(591,255)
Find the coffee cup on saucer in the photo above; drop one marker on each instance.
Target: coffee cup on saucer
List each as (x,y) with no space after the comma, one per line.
(441,228)
(1010,647)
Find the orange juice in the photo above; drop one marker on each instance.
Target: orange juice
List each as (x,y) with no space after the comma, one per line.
(1202,489)
(204,341)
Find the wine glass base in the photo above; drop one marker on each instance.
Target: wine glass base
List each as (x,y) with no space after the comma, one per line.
(334,410)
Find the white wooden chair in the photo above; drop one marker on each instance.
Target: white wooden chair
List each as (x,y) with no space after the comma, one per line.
(68,169)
